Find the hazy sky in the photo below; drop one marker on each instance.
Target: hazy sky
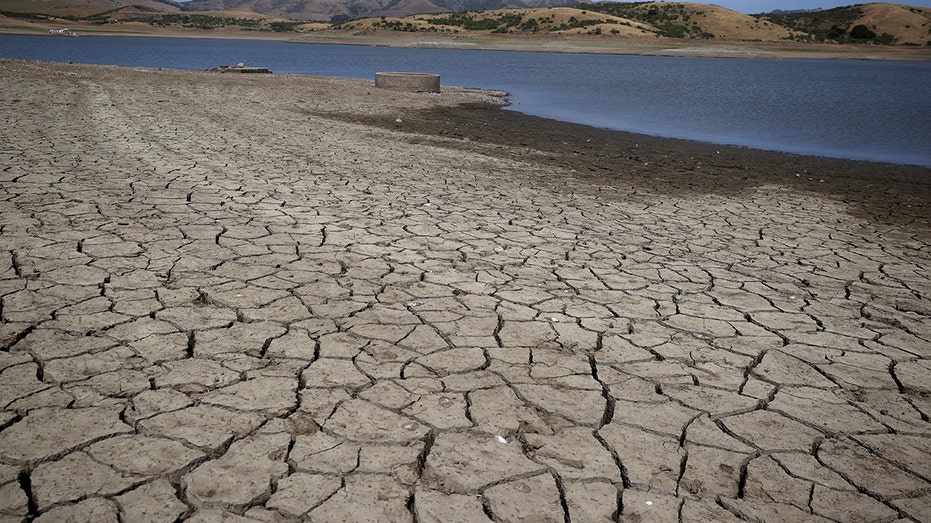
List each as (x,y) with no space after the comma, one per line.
(765,6)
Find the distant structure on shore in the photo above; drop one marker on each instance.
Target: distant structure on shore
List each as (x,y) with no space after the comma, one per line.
(62,32)
(238,68)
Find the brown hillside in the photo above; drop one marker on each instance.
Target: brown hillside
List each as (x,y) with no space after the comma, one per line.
(891,23)
(342,10)
(693,20)
(559,20)
(49,7)
(564,15)
(237,13)
(136,13)
(710,20)
(405,7)
(82,8)
(909,25)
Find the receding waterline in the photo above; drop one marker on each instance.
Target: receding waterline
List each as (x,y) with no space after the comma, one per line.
(863,110)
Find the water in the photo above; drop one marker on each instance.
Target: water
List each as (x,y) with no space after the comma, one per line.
(869,110)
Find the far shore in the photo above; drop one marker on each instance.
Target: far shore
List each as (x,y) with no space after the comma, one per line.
(555,43)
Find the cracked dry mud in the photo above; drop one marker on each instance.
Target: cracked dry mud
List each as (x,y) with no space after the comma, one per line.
(232,298)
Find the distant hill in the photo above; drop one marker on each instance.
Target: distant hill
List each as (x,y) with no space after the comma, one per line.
(882,23)
(82,8)
(871,23)
(341,10)
(692,20)
(791,11)
(874,23)
(901,24)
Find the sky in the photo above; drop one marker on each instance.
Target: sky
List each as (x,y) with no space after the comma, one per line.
(765,6)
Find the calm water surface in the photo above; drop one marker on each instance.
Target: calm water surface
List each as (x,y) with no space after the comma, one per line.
(868,110)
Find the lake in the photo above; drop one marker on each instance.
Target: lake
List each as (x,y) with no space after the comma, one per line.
(867,110)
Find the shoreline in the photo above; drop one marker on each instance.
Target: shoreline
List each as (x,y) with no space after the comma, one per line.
(730,146)
(641,47)
(682,167)
(709,144)
(579,44)
(486,127)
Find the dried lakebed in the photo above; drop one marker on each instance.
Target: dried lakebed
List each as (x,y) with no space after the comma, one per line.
(241,298)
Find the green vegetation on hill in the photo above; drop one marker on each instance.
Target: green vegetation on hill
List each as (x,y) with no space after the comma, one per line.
(503,23)
(470,22)
(836,25)
(494,22)
(216,22)
(26,16)
(672,20)
(199,21)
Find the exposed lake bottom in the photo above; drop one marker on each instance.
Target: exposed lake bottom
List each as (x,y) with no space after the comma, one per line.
(291,298)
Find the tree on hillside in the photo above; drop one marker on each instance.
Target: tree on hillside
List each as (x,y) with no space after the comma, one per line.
(862,32)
